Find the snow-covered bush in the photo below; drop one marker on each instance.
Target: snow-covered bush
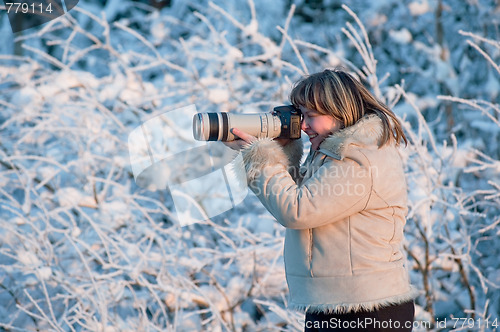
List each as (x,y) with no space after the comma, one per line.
(83,248)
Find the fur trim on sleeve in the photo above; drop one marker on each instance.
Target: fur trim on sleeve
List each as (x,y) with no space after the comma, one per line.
(262,153)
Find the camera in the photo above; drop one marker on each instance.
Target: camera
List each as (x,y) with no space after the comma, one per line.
(282,122)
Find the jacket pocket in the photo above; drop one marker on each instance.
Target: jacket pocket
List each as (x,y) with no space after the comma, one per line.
(297,252)
(329,251)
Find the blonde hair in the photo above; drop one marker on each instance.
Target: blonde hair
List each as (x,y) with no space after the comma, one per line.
(336,93)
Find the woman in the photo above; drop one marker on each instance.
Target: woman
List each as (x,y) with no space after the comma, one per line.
(344,209)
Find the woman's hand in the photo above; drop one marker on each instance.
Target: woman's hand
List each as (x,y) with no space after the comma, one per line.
(248,139)
(240,143)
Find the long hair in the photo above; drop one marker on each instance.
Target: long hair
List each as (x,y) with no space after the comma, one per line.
(337,93)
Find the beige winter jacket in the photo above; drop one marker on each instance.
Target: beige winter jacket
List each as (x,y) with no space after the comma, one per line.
(344,214)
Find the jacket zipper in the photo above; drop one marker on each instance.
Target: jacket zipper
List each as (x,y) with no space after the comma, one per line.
(310,254)
(310,251)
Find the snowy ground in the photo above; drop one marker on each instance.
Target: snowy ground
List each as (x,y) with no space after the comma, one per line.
(84,248)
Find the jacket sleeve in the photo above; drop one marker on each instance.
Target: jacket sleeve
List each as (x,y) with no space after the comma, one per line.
(338,189)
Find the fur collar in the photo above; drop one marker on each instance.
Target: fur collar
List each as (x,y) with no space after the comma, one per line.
(367,131)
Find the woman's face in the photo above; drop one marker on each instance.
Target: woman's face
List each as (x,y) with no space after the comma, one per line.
(318,126)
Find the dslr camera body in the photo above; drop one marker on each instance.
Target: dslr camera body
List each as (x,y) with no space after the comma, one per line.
(283,122)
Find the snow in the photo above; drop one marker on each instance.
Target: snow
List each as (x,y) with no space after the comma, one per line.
(218,96)
(402,36)
(94,237)
(28,258)
(419,7)
(69,196)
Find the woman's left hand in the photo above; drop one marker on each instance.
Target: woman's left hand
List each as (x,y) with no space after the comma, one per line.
(240,143)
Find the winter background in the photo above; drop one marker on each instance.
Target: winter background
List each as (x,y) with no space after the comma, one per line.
(83,248)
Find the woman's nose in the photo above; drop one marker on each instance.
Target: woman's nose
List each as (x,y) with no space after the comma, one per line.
(303,125)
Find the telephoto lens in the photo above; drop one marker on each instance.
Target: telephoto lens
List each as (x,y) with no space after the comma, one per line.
(216,126)
(284,122)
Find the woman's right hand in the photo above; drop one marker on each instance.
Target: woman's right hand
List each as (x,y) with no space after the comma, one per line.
(238,144)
